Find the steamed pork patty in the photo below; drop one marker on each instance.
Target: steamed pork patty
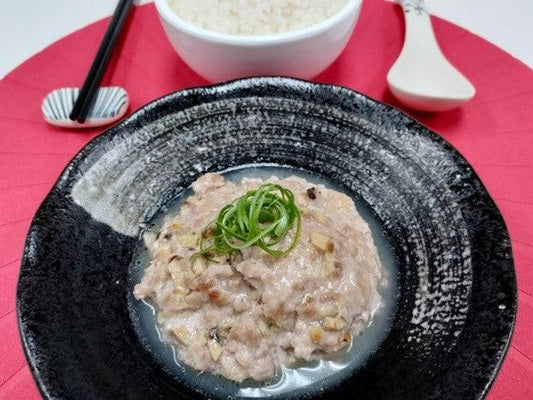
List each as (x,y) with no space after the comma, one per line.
(245,314)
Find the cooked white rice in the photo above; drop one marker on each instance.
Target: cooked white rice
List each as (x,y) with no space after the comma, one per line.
(255,17)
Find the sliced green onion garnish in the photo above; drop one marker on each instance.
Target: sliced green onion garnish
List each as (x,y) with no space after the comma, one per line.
(262,217)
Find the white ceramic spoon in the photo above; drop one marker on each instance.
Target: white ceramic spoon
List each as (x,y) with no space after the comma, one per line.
(422,78)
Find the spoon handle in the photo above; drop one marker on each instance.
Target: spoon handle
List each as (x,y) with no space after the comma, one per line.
(419,35)
(417,7)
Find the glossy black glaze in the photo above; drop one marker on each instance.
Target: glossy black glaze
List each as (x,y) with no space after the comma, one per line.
(457,289)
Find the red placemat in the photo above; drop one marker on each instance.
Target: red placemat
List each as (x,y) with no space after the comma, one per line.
(494,132)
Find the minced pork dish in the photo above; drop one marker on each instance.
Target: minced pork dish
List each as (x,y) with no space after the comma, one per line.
(252,276)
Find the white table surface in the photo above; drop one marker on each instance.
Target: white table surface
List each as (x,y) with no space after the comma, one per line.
(27,26)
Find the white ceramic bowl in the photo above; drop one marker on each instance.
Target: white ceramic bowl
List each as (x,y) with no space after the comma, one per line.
(218,57)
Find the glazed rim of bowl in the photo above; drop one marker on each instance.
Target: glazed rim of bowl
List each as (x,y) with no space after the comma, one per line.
(166,12)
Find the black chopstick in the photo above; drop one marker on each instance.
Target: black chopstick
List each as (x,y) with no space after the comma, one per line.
(89,90)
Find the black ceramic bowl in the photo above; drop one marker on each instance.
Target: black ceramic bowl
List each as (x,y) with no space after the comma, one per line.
(456,299)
